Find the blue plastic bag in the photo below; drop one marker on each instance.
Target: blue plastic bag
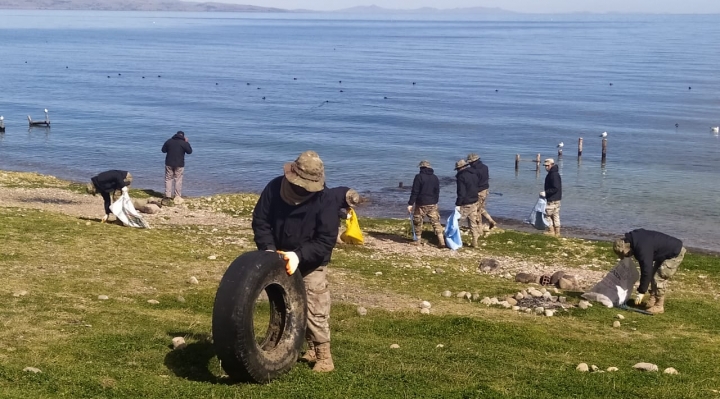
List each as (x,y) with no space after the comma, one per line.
(453,239)
(412,226)
(537,217)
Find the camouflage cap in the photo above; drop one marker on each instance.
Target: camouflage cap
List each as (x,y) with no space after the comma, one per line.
(424,164)
(307,172)
(128,179)
(352,198)
(472,157)
(621,247)
(460,164)
(91,189)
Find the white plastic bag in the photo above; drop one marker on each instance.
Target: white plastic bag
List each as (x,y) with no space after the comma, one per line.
(125,211)
(538,218)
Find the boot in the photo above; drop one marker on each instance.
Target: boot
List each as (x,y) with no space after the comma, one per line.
(441,241)
(491,222)
(651,302)
(309,356)
(418,243)
(557,232)
(550,231)
(324,362)
(659,306)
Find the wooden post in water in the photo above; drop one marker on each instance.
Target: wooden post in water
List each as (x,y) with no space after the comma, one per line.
(537,163)
(580,147)
(517,162)
(604,150)
(559,153)
(400,185)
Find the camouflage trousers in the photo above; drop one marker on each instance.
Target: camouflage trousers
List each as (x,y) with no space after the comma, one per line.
(664,273)
(470,212)
(552,210)
(318,306)
(431,211)
(481,211)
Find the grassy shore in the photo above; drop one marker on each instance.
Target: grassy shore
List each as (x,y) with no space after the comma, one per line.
(54,267)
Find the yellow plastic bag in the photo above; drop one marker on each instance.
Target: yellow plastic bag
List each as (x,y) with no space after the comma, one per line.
(353,234)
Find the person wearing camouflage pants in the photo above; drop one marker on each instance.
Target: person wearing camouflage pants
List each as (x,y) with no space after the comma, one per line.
(424,197)
(467,198)
(659,256)
(552,192)
(484,186)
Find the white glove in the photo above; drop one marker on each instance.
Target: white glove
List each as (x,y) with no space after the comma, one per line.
(457,209)
(410,208)
(124,189)
(349,216)
(104,218)
(542,194)
(638,298)
(291,260)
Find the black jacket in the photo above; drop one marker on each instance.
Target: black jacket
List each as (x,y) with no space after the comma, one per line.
(553,185)
(109,181)
(481,170)
(467,187)
(309,229)
(651,249)
(337,196)
(425,188)
(175,149)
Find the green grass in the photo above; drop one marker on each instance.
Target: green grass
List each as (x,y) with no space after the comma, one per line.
(121,347)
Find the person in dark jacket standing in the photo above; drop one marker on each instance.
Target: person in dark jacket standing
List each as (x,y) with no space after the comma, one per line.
(481,170)
(344,199)
(175,149)
(659,256)
(552,194)
(424,197)
(296,217)
(109,182)
(467,198)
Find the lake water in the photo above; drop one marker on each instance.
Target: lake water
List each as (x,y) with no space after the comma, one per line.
(498,86)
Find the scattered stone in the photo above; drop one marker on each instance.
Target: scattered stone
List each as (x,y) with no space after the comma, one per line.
(424,311)
(528,310)
(619,316)
(646,367)
(439,270)
(507,276)
(522,308)
(394,346)
(539,310)
(486,301)
(516,308)
(616,324)
(181,299)
(468,296)
(535,293)
(670,370)
(584,304)
(378,273)
(547,295)
(511,301)
(594,368)
(475,297)
(212,257)
(439,346)
(549,312)
(461,294)
(562,299)
(87,223)
(494,301)
(179,343)
(583,367)
(150,209)
(525,278)
(505,304)
(612,369)
(103,297)
(555,278)
(153,302)
(193,280)
(519,296)
(425,305)
(361,311)
(488,265)
(543,290)
(569,283)
(20,293)
(32,370)
(446,294)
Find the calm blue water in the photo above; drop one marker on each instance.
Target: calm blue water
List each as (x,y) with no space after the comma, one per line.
(552,75)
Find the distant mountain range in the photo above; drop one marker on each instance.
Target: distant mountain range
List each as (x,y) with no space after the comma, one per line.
(176,5)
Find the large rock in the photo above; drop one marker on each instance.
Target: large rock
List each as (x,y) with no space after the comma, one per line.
(670,370)
(583,367)
(488,265)
(149,209)
(555,278)
(511,301)
(526,278)
(646,367)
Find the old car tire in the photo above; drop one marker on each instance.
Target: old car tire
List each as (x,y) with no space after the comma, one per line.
(241,356)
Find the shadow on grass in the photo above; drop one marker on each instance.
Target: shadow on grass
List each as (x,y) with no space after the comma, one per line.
(58,201)
(192,362)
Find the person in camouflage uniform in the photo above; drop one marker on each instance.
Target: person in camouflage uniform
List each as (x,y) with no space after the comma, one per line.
(467,198)
(552,192)
(481,170)
(424,197)
(659,256)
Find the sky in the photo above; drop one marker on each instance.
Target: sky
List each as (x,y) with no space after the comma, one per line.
(533,6)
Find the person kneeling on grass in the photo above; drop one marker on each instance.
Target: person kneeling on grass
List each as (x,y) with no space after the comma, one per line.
(111,181)
(659,256)
(296,217)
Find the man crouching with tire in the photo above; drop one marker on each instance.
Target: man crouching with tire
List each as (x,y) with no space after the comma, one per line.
(293,218)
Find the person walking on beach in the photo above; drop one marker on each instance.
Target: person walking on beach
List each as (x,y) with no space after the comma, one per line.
(109,182)
(553,194)
(175,149)
(424,198)
(344,199)
(295,216)
(481,170)
(467,198)
(659,256)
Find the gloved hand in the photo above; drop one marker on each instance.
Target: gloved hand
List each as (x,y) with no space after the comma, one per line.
(457,208)
(291,260)
(542,194)
(410,208)
(104,218)
(349,216)
(124,189)
(638,298)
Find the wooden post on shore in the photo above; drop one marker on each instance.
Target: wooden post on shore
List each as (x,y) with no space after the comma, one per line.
(604,150)
(580,147)
(517,162)
(537,163)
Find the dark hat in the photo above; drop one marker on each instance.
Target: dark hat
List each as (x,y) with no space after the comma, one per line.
(180,133)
